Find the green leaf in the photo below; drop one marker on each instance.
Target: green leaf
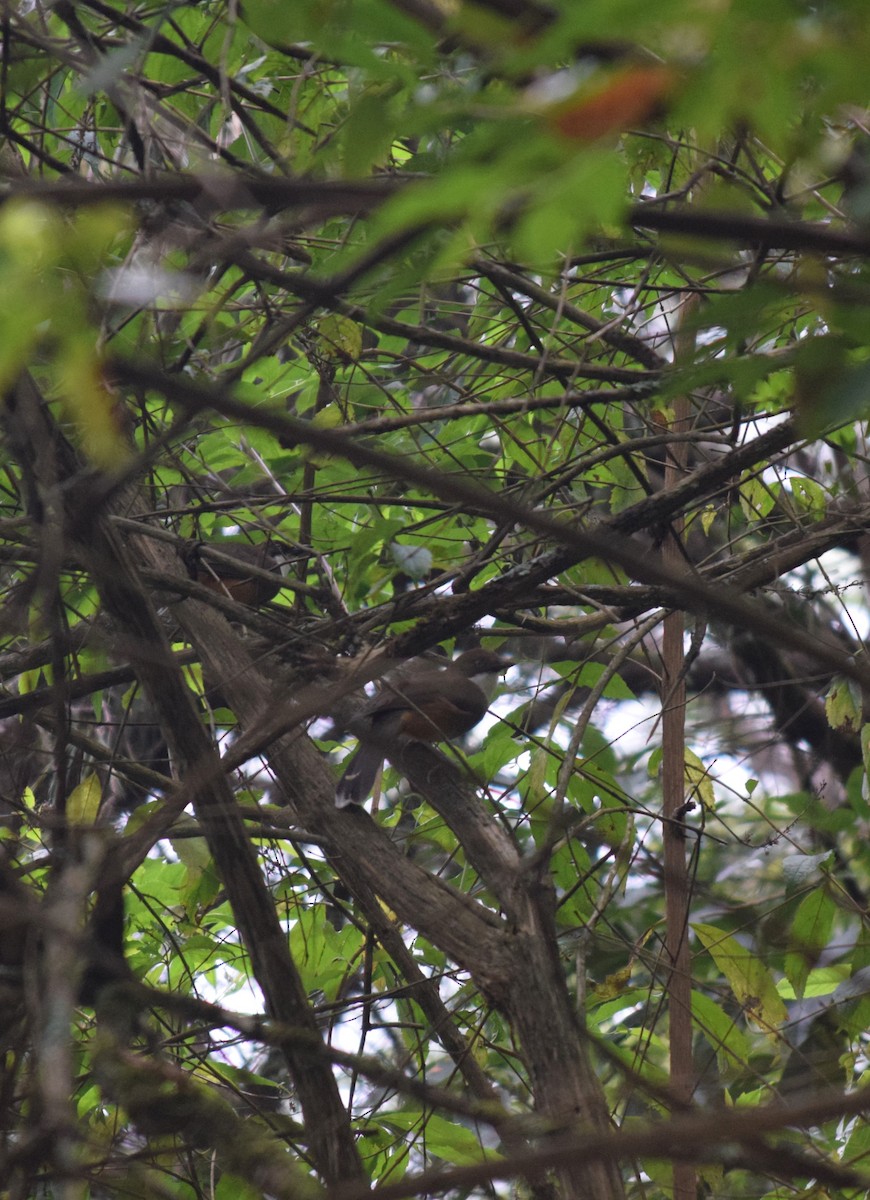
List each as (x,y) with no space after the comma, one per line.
(368,134)
(827,393)
(615,688)
(748,977)
(323,953)
(809,935)
(445,1139)
(587,194)
(723,1033)
(757,498)
(821,981)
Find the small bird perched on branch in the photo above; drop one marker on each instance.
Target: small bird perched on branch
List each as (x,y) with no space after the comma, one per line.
(423,702)
(248,574)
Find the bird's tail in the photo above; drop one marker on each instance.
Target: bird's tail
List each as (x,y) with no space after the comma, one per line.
(359,776)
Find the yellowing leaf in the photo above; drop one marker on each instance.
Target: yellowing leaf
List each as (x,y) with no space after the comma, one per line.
(340,338)
(29,243)
(537,773)
(613,986)
(328,417)
(388,911)
(28,681)
(83,804)
(843,705)
(93,233)
(698,781)
(31,233)
(89,404)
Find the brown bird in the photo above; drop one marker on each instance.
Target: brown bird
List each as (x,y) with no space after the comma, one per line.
(423,702)
(242,572)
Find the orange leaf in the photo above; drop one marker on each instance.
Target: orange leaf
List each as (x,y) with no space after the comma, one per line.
(627,98)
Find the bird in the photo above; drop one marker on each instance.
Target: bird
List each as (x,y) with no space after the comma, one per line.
(422,702)
(237,570)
